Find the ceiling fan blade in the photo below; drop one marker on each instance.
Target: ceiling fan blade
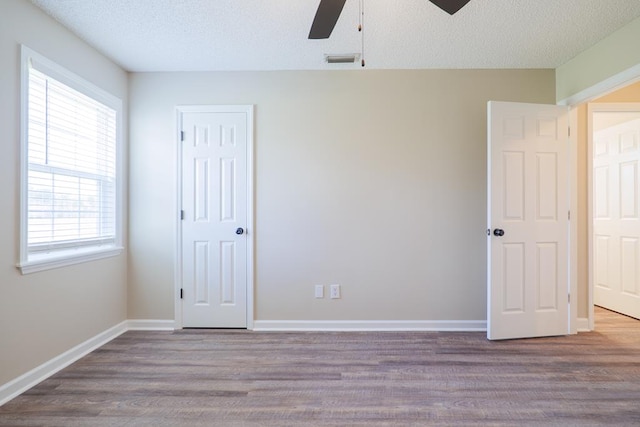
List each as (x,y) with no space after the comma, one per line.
(450,6)
(326,17)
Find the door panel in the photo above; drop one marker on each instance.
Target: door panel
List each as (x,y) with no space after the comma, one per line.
(546,276)
(528,281)
(215,208)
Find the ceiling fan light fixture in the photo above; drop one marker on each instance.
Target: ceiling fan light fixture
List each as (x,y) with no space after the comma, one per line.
(346,58)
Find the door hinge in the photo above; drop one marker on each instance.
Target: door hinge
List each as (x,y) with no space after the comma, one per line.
(569,215)
(181,135)
(181,294)
(568,131)
(569,298)
(182,215)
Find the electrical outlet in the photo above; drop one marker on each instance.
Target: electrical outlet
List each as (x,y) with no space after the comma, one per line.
(319,291)
(335,291)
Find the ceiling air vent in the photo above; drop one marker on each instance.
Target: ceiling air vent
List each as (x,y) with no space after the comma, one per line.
(347,58)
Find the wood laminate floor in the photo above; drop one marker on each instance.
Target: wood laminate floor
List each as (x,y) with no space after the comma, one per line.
(242,378)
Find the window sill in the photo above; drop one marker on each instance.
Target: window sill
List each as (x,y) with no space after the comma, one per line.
(65,258)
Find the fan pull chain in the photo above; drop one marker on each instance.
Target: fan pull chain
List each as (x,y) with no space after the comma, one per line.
(361,30)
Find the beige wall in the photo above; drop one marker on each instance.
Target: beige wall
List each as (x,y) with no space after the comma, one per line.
(44,314)
(614,54)
(375,180)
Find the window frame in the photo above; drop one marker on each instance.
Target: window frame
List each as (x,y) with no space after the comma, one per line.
(34,261)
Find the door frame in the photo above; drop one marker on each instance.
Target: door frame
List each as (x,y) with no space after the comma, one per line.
(573,219)
(595,108)
(610,84)
(250,227)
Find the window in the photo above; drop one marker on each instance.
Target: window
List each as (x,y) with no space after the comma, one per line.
(70,168)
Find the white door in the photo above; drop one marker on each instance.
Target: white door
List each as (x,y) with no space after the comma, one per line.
(215,216)
(528,226)
(616,212)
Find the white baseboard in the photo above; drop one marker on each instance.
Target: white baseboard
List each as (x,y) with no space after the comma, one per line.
(24,382)
(371,325)
(150,325)
(582,324)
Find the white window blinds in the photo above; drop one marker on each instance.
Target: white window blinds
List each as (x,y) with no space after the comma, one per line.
(71,198)
(71,167)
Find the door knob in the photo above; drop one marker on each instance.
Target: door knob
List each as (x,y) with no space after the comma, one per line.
(498,232)
(239,230)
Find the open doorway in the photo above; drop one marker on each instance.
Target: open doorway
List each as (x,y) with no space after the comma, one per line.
(588,246)
(614,178)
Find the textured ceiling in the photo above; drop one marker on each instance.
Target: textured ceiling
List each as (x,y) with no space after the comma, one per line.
(191,35)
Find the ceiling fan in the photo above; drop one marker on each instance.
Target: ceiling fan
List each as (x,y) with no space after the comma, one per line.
(329,11)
